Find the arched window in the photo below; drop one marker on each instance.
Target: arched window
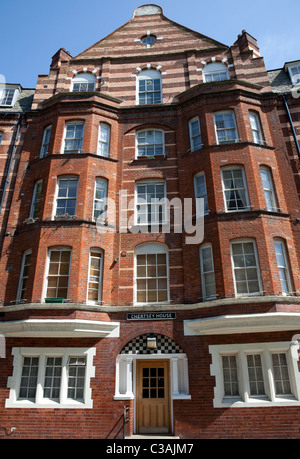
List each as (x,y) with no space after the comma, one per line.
(149,88)
(151,274)
(83,82)
(216,71)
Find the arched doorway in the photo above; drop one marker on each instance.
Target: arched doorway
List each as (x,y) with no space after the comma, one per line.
(152,370)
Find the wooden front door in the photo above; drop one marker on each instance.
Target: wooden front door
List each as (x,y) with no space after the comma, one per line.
(153,396)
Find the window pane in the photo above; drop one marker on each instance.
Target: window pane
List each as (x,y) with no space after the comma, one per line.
(282,265)
(245,268)
(255,372)
(53,378)
(207,273)
(281,374)
(234,190)
(67,189)
(151,278)
(94,287)
(58,275)
(29,378)
(230,375)
(225,127)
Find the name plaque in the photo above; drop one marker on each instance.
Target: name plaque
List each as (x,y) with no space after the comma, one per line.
(151,315)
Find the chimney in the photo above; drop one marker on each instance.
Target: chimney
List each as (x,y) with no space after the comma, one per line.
(61,55)
(247,43)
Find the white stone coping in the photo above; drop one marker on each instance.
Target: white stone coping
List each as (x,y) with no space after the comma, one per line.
(243,323)
(59,328)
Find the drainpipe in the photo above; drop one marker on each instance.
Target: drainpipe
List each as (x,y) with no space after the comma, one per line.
(10,162)
(292,125)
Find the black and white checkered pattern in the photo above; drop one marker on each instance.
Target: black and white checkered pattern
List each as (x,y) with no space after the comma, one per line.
(164,345)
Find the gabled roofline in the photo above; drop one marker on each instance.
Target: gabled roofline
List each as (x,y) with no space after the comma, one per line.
(197,34)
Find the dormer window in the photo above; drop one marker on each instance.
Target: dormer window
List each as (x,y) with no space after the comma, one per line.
(294,71)
(8,95)
(83,82)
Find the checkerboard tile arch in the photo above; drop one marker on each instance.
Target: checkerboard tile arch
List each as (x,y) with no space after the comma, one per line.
(138,345)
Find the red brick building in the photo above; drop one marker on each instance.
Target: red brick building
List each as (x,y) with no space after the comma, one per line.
(150,242)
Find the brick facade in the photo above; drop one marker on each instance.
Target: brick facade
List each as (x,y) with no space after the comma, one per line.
(267,321)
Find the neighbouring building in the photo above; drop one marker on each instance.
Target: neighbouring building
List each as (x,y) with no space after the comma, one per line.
(150,241)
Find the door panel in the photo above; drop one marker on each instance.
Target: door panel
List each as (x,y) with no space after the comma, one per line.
(153,396)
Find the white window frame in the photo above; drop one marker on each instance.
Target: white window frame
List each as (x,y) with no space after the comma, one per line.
(283,268)
(225,128)
(102,201)
(86,82)
(151,248)
(42,353)
(235,189)
(80,139)
(214,72)
(195,136)
(204,272)
(100,278)
(63,178)
(269,190)
(203,195)
(58,249)
(103,147)
(256,266)
(154,205)
(244,399)
(1,137)
(148,75)
(8,94)
(22,277)
(256,128)
(36,198)
(45,141)
(147,145)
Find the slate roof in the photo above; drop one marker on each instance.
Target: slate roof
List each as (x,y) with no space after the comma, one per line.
(280,81)
(22,104)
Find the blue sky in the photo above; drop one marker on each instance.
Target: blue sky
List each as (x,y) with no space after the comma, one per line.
(33,30)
